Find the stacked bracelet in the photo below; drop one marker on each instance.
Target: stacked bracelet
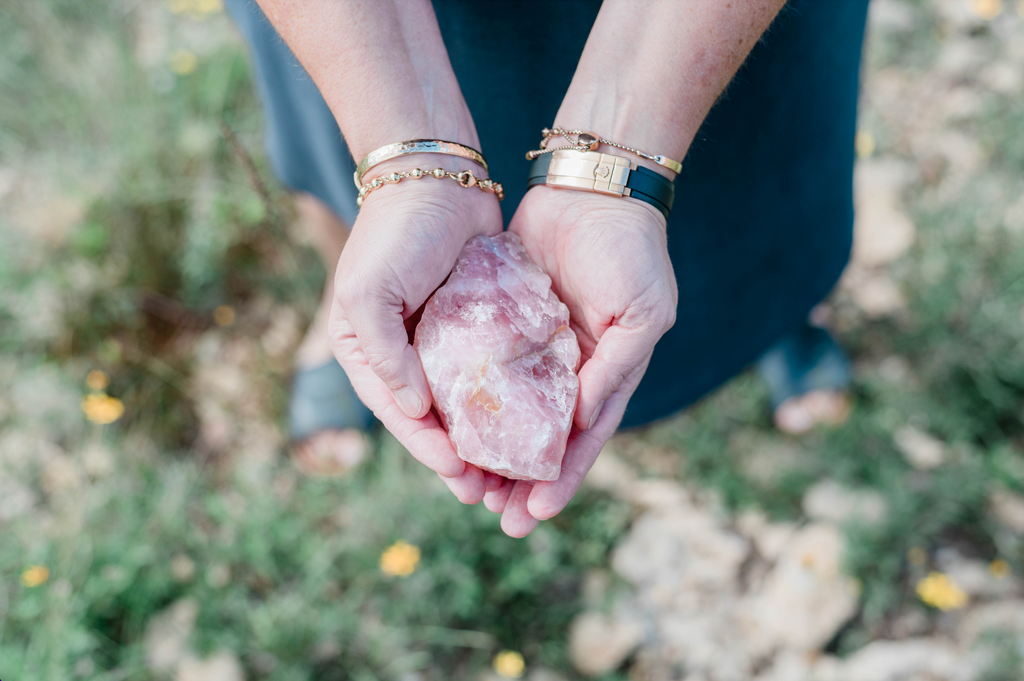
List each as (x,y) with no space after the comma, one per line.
(588,141)
(397,149)
(465,178)
(603,173)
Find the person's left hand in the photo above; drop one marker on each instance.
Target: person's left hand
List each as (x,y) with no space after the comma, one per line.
(608,262)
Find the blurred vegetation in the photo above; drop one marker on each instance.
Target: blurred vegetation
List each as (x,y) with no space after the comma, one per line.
(177,216)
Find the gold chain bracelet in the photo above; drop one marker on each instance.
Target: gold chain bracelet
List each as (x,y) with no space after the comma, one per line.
(588,141)
(390,151)
(464,178)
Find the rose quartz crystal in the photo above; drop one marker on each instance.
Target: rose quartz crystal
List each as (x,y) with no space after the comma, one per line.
(501,361)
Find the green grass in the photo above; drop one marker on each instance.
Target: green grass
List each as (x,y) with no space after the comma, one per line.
(302,558)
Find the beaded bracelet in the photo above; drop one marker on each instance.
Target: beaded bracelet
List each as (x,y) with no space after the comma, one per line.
(465,178)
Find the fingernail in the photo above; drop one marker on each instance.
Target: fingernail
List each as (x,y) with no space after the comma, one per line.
(597,412)
(408,401)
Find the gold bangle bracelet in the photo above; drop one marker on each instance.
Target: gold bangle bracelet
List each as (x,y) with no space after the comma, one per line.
(390,151)
(466,178)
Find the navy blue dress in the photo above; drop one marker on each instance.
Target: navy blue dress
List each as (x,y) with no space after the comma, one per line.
(763,218)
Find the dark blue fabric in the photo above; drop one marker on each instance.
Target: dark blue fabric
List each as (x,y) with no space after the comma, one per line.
(763,217)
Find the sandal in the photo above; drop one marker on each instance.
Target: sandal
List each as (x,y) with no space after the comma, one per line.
(323,403)
(808,376)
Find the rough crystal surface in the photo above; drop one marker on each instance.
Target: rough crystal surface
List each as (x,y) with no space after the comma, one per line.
(501,361)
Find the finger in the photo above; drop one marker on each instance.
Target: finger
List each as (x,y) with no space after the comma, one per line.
(492,481)
(425,438)
(468,487)
(549,498)
(619,354)
(495,501)
(516,520)
(384,340)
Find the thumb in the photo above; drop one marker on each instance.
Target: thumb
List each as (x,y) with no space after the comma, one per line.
(380,330)
(619,354)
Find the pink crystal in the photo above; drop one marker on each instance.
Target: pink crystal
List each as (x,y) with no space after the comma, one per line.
(501,361)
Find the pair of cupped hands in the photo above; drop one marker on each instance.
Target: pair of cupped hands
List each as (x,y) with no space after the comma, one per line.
(608,262)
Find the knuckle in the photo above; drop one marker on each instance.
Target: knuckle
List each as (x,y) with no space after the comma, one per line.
(345,290)
(383,364)
(668,318)
(354,289)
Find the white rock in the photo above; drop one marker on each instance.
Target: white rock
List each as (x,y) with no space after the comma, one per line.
(876,293)
(828,500)
(893,15)
(544,674)
(284,333)
(769,538)
(1013,216)
(680,549)
(788,665)
(706,642)
(599,643)
(609,472)
(43,396)
(961,57)
(655,493)
(595,587)
(882,231)
(183,568)
(61,475)
(922,451)
(906,660)
(974,576)
(805,597)
(221,666)
(16,499)
(166,638)
(895,369)
(1006,617)
(765,462)
(97,460)
(1008,508)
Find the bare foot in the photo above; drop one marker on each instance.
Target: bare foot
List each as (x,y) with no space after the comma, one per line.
(800,414)
(329,453)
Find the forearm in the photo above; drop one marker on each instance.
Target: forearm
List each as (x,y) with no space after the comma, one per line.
(651,71)
(380,65)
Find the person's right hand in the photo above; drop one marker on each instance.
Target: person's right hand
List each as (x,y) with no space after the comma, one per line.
(403,245)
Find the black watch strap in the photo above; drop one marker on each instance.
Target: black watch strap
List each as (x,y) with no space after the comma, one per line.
(604,174)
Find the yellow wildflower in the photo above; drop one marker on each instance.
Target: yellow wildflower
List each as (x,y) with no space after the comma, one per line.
(224,315)
(864,143)
(183,62)
(208,6)
(102,409)
(400,559)
(197,8)
(34,575)
(999,568)
(509,664)
(987,9)
(939,591)
(97,380)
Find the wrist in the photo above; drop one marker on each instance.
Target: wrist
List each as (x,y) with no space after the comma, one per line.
(660,126)
(446,204)
(451,122)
